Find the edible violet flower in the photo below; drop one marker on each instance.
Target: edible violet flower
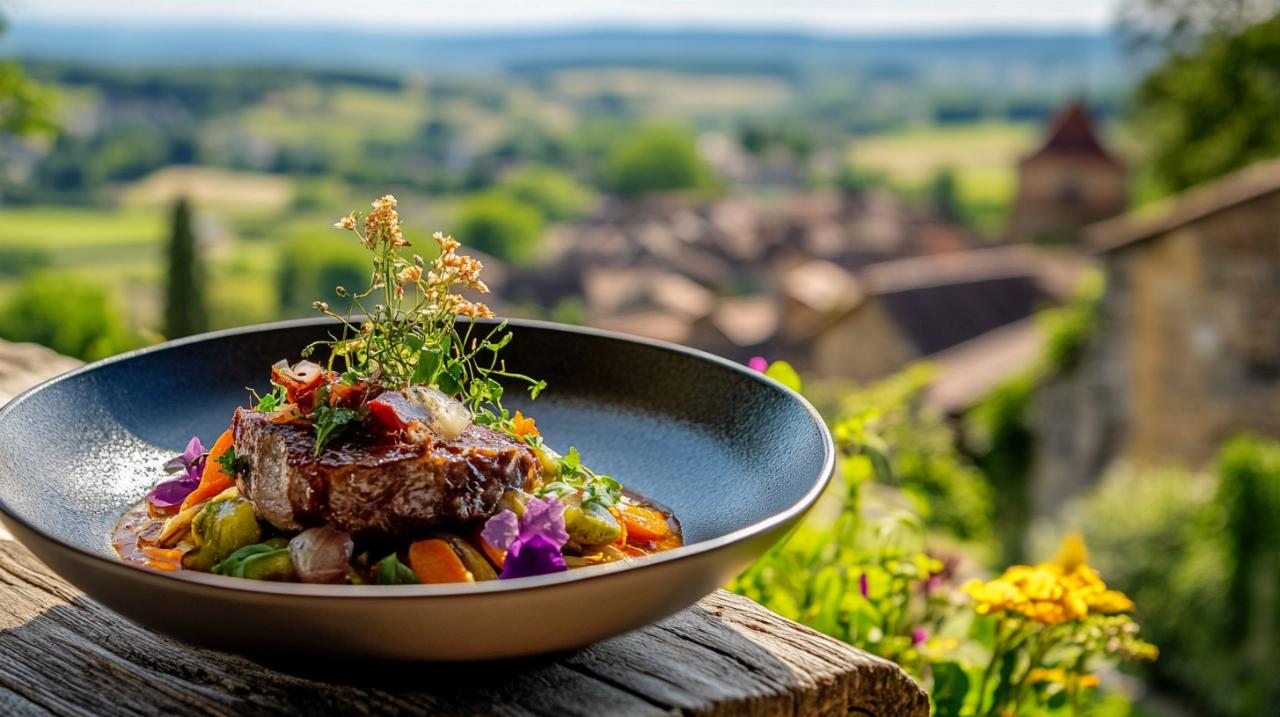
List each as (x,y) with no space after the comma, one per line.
(758,363)
(171,493)
(533,542)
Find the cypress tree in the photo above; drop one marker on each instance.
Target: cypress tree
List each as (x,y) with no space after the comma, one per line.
(184,312)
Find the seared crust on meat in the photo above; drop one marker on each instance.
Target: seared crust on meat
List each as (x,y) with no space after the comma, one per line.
(374,488)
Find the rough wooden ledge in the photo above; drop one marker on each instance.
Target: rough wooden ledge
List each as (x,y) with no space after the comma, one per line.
(63,654)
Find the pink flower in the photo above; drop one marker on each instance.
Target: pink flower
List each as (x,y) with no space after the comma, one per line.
(532,542)
(758,363)
(919,635)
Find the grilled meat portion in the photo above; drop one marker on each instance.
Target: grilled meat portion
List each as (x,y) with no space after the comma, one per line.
(373,487)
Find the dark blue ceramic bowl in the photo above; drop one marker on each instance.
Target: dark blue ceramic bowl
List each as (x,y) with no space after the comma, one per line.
(738,457)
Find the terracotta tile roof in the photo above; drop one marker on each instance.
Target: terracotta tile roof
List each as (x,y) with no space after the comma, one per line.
(1072,134)
(650,324)
(1253,182)
(822,286)
(747,320)
(971,370)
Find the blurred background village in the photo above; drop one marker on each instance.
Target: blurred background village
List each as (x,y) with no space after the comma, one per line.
(1042,260)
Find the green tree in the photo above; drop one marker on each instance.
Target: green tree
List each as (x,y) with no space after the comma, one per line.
(1213,109)
(185,312)
(550,191)
(499,225)
(70,316)
(944,196)
(26,108)
(659,157)
(313,265)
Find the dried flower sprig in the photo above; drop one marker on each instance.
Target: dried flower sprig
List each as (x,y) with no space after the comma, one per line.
(411,335)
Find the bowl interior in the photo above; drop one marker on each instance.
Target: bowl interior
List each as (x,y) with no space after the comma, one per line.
(719,444)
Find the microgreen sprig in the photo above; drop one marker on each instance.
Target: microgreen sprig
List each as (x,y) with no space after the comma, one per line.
(410,335)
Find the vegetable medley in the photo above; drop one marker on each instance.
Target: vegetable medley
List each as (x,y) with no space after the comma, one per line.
(390,459)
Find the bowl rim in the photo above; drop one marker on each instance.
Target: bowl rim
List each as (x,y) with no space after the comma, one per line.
(449,590)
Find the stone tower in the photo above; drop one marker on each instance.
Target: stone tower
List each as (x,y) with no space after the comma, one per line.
(1070,181)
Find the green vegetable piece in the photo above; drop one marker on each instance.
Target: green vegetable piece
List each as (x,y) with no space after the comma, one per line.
(390,571)
(591,524)
(234,564)
(274,565)
(220,529)
(549,459)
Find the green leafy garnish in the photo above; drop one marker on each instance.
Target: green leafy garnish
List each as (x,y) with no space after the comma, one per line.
(232,464)
(574,477)
(390,571)
(270,402)
(329,421)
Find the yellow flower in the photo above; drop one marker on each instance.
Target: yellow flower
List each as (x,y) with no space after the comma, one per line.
(1051,593)
(1072,554)
(1110,602)
(410,274)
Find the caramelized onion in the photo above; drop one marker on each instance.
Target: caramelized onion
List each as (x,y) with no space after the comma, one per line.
(321,555)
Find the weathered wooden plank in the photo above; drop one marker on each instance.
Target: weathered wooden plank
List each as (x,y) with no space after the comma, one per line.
(63,654)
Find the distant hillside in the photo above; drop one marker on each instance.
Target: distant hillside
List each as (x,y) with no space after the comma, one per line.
(1053,61)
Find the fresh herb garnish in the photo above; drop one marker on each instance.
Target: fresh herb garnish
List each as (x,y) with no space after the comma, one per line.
(270,402)
(329,421)
(411,335)
(574,477)
(233,465)
(390,571)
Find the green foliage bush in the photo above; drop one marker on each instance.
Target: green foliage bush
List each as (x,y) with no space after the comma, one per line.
(919,451)
(659,157)
(311,266)
(553,193)
(71,316)
(498,225)
(1213,109)
(16,261)
(1200,556)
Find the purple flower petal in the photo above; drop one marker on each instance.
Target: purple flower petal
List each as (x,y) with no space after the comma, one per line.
(544,517)
(171,492)
(862,585)
(758,363)
(534,555)
(193,454)
(501,530)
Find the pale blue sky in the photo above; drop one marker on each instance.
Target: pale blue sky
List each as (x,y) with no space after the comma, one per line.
(850,16)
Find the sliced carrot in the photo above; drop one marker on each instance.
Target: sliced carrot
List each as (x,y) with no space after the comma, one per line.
(495,556)
(214,480)
(433,561)
(644,524)
(161,553)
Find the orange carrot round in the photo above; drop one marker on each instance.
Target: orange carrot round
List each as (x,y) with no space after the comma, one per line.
(433,561)
(644,524)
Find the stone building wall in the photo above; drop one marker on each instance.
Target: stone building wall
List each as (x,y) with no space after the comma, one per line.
(1187,352)
(1058,195)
